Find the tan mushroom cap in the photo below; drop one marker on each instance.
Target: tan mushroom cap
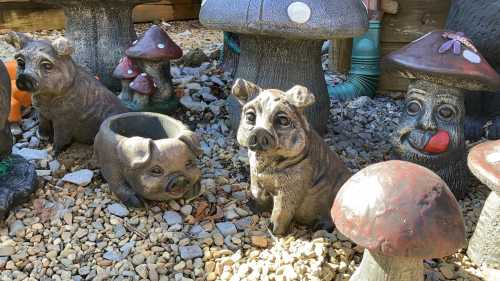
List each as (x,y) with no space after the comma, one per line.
(304,19)
(421,59)
(400,209)
(155,45)
(484,163)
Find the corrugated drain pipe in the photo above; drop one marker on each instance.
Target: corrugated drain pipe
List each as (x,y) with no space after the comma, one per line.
(364,75)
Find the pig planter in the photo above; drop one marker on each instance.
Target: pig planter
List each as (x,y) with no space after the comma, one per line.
(71,103)
(442,66)
(291,166)
(17,176)
(148,155)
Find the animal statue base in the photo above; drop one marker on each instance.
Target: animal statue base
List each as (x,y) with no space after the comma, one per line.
(16,184)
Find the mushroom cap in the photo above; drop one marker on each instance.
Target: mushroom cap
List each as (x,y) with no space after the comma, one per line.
(400,209)
(484,163)
(426,59)
(143,84)
(126,69)
(155,45)
(302,19)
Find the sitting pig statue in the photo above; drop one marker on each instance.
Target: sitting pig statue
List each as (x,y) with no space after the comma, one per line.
(148,155)
(71,103)
(291,165)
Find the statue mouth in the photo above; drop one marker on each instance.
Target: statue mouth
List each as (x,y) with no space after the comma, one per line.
(177,186)
(427,142)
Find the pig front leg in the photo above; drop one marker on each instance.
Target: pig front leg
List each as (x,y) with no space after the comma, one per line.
(261,200)
(126,195)
(285,206)
(62,136)
(45,130)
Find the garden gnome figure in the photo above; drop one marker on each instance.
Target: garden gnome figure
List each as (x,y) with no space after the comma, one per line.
(281,43)
(484,246)
(18,177)
(401,213)
(442,65)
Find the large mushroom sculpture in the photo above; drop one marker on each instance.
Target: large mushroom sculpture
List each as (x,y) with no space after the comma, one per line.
(484,246)
(153,52)
(442,65)
(406,214)
(101,32)
(281,42)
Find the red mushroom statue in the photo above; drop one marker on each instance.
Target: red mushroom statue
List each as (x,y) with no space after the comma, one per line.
(143,87)
(126,71)
(401,213)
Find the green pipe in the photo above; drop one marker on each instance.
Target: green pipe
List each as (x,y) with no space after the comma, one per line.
(364,75)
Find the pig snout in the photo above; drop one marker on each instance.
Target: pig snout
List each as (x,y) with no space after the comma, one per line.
(26,83)
(177,183)
(260,140)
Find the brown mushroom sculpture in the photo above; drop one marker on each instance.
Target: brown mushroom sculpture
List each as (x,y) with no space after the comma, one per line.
(484,246)
(442,65)
(126,71)
(154,52)
(143,87)
(401,213)
(281,42)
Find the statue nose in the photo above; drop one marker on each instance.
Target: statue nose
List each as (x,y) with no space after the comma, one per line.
(261,140)
(26,83)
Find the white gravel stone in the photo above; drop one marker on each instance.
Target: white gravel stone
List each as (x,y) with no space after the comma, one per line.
(118,209)
(190,252)
(172,218)
(81,177)
(33,154)
(227,228)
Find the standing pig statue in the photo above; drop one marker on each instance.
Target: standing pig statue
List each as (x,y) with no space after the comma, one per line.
(148,155)
(292,168)
(71,103)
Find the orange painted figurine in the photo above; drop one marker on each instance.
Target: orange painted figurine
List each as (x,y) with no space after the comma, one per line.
(19,98)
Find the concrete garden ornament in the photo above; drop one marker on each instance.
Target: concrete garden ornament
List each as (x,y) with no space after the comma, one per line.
(150,57)
(442,66)
(281,42)
(484,246)
(18,177)
(148,156)
(292,169)
(71,103)
(401,213)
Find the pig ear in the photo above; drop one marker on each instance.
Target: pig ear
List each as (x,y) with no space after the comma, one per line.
(192,141)
(63,47)
(300,97)
(17,40)
(244,90)
(135,152)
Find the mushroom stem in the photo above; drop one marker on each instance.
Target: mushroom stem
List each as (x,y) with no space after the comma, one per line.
(484,246)
(160,72)
(376,267)
(126,94)
(101,31)
(140,101)
(273,62)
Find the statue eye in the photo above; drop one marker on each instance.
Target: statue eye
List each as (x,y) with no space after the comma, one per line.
(413,107)
(250,117)
(283,120)
(47,65)
(446,112)
(21,63)
(156,171)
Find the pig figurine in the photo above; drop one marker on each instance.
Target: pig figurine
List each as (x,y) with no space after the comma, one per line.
(71,103)
(292,168)
(148,155)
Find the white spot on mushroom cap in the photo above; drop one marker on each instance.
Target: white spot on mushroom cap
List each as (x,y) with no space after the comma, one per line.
(161,46)
(471,56)
(131,84)
(493,158)
(135,42)
(129,71)
(299,12)
(144,74)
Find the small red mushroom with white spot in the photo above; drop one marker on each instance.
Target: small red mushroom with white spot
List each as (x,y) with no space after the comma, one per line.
(143,87)
(126,71)
(154,52)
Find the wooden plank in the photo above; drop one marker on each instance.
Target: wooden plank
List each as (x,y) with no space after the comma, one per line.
(340,54)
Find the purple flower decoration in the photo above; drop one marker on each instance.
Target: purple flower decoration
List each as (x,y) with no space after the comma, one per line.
(455,42)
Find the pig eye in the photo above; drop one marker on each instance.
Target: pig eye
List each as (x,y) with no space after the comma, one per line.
(446,112)
(21,63)
(47,65)
(413,107)
(250,117)
(156,171)
(283,120)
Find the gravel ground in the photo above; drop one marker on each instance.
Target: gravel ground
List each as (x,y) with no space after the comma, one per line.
(80,231)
